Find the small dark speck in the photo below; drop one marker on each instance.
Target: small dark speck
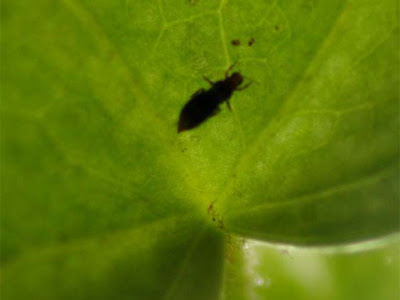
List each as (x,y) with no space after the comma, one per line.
(183,150)
(214,219)
(277,28)
(251,42)
(235,42)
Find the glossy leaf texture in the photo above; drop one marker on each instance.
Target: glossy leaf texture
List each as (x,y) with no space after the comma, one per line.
(330,273)
(264,271)
(101,198)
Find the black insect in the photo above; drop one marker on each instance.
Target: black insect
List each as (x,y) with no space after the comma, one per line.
(205,103)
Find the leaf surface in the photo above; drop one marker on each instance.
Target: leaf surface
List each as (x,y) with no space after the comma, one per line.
(101,198)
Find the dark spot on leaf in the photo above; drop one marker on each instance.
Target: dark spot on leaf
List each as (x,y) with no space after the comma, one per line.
(235,42)
(221,224)
(251,42)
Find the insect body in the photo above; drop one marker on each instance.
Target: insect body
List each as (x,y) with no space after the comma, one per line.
(205,103)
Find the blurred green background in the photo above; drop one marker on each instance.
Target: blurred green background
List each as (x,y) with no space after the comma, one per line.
(368,271)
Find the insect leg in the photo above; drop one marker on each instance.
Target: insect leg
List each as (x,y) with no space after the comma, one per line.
(208,80)
(228,104)
(244,87)
(229,69)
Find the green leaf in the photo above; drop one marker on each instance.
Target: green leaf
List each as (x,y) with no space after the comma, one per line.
(161,260)
(101,198)
(325,168)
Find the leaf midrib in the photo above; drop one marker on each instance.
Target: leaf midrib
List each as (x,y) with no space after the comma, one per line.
(79,242)
(309,197)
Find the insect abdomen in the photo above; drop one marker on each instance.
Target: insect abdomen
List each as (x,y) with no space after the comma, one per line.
(196,111)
